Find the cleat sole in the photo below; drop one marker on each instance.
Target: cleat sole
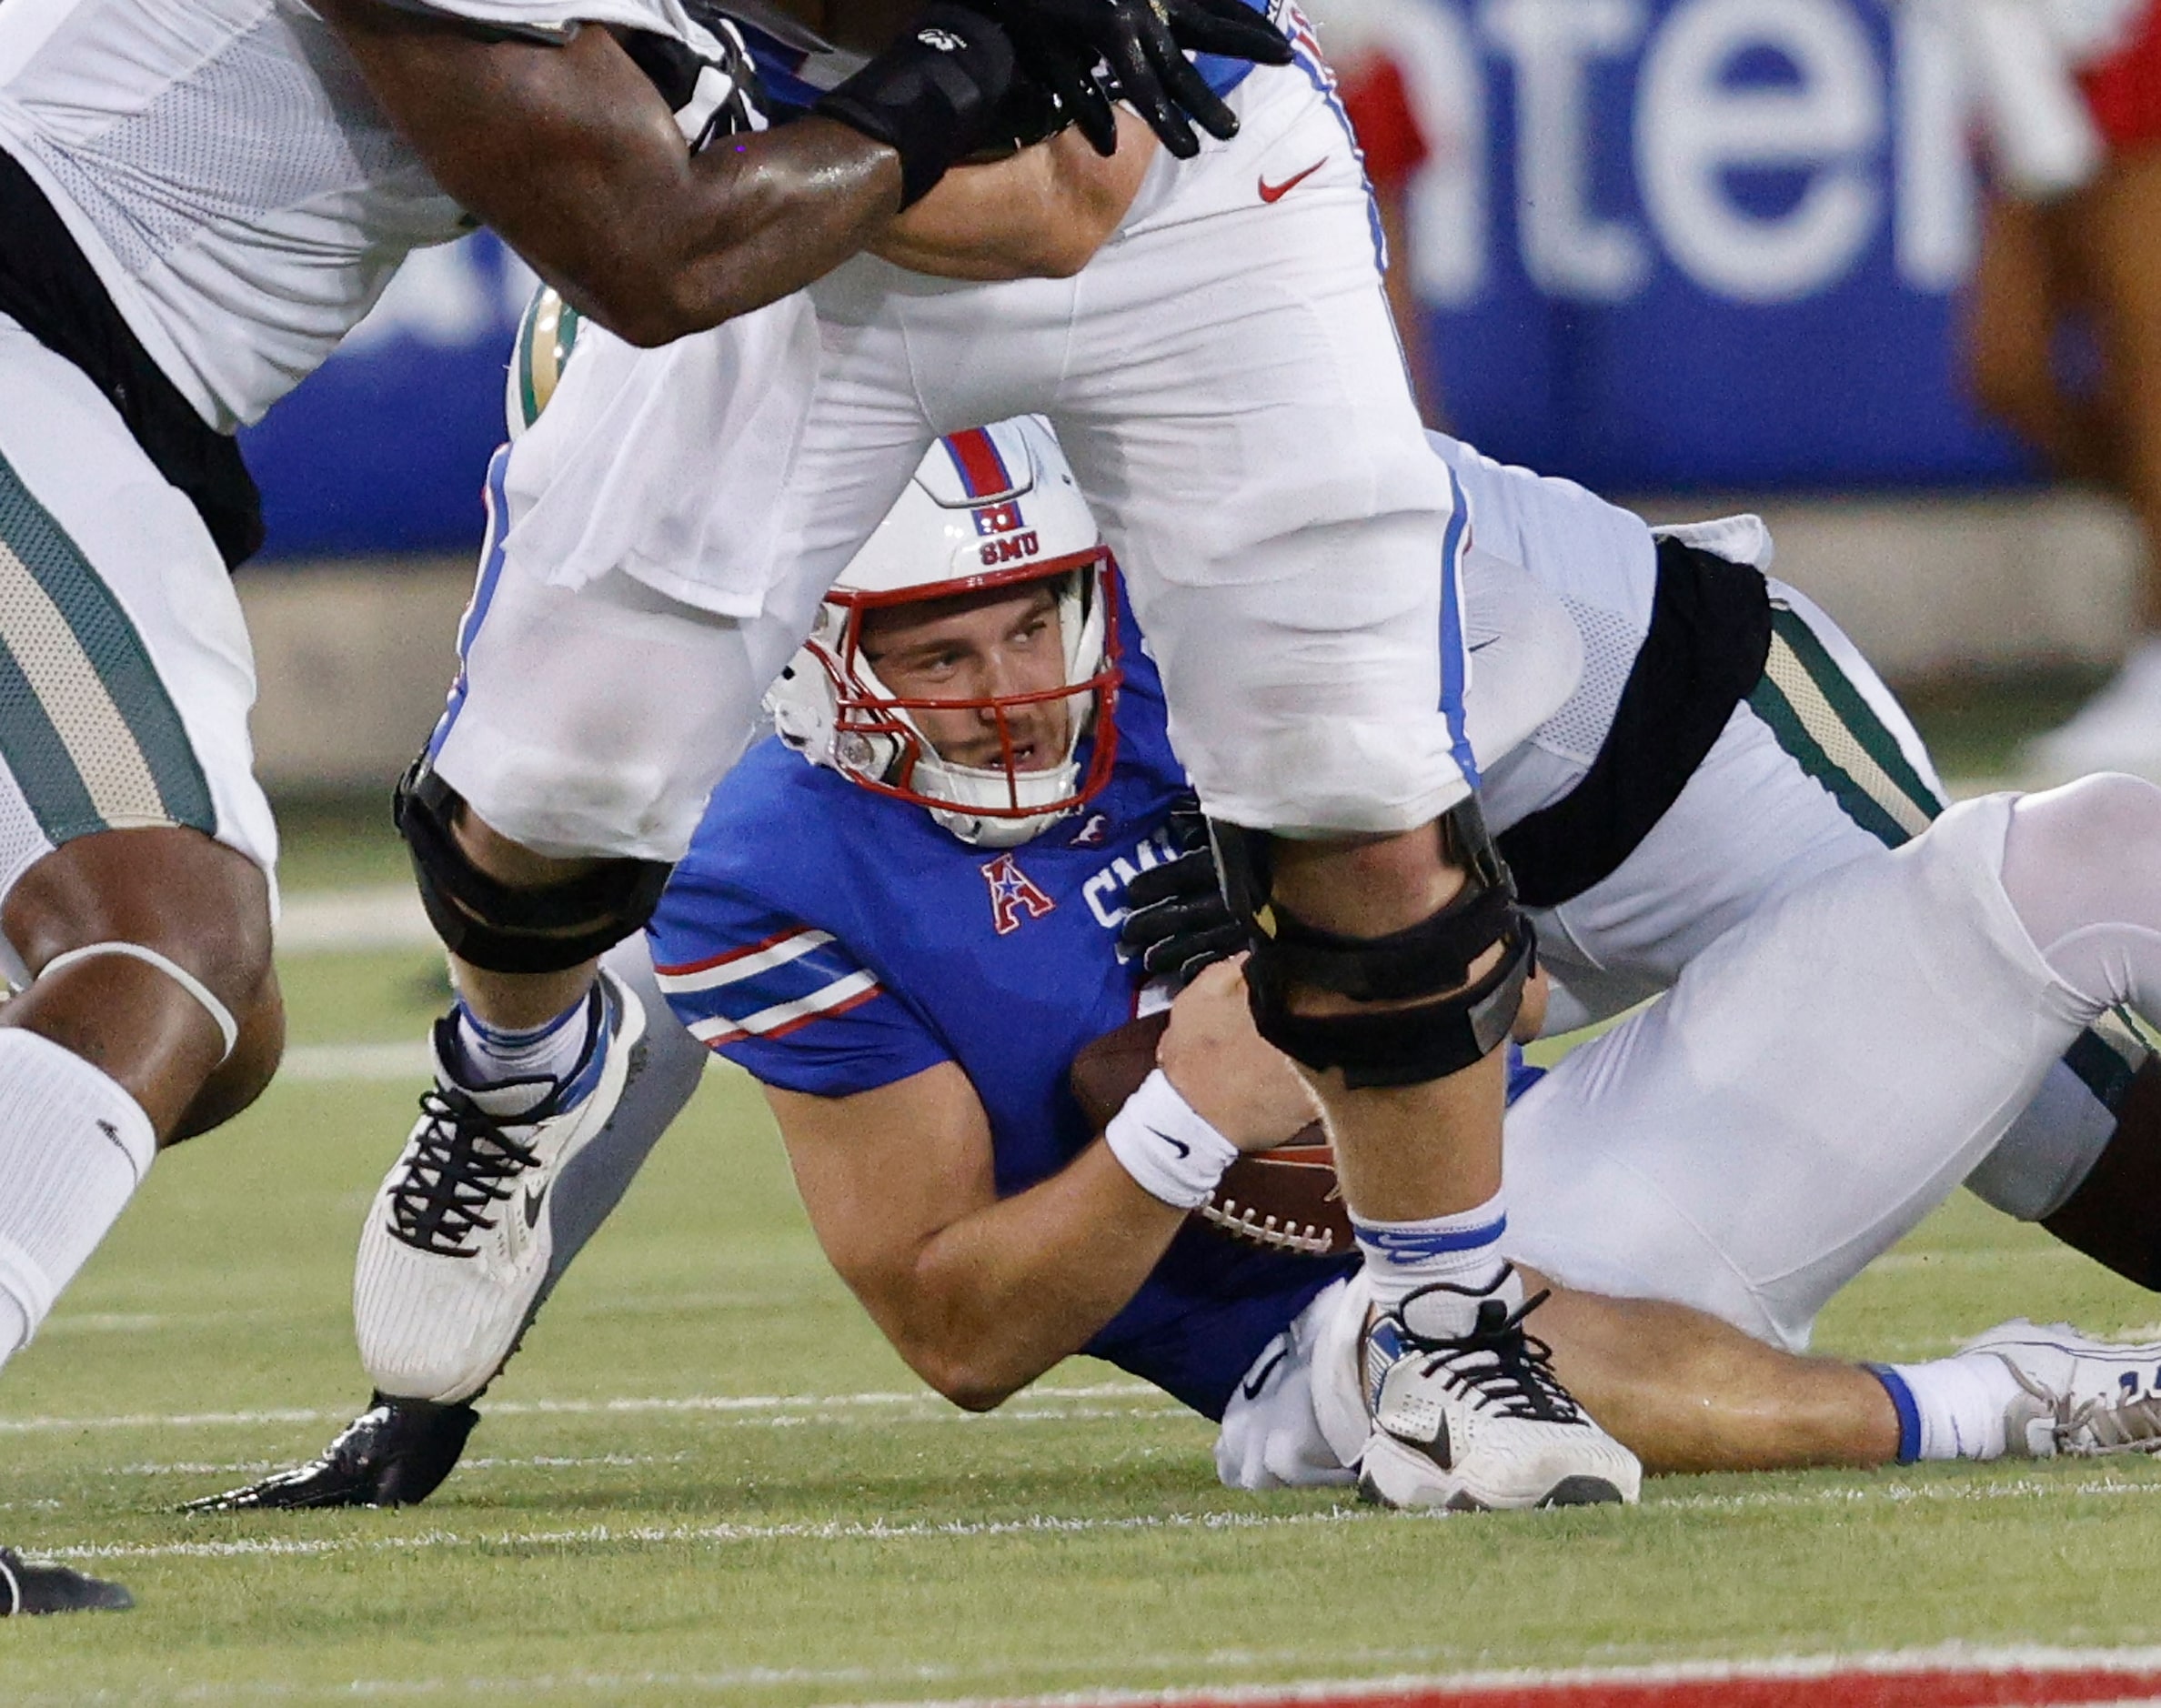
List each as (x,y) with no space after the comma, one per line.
(1583,1491)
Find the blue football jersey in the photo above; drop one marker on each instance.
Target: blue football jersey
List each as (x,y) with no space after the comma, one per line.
(832,940)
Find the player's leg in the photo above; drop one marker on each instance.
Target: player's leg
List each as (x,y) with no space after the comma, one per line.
(135,844)
(398,1450)
(1258,463)
(1688,1392)
(586,717)
(1753,1139)
(567,772)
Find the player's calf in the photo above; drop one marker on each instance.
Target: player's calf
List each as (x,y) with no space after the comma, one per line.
(142,943)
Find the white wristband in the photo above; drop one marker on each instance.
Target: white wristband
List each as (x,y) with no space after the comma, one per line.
(1171,1151)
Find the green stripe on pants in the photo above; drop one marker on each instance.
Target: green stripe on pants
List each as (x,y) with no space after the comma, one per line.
(1828,726)
(1834,735)
(87,728)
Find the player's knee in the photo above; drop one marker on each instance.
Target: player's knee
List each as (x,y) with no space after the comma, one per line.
(2094,835)
(517,912)
(2117,816)
(244,1075)
(173,891)
(1389,1004)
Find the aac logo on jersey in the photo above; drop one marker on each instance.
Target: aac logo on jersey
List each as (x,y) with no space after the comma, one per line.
(1014,897)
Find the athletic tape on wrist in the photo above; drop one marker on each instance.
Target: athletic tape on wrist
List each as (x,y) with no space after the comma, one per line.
(1167,1147)
(228,1028)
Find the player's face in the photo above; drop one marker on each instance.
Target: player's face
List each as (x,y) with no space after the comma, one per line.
(978,646)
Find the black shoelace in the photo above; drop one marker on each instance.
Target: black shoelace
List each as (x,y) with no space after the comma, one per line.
(1508,1370)
(463,1163)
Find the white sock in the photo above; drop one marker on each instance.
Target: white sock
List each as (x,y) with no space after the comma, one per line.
(493,1054)
(1957,1406)
(1462,1250)
(72,1147)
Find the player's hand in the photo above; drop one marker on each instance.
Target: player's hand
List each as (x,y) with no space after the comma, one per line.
(1244,1087)
(1143,43)
(1177,921)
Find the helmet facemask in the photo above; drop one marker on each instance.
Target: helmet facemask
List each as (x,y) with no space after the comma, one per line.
(880,739)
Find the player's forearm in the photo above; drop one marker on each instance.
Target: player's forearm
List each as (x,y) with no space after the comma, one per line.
(1043,213)
(997,1297)
(568,153)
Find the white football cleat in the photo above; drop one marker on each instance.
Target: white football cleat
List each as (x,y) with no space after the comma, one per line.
(1467,1415)
(2079,1396)
(455,1249)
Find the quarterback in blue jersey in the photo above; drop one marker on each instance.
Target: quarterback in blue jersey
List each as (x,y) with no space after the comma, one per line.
(993,782)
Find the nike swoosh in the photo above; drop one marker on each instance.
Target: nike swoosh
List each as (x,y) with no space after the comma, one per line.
(533,1201)
(1184,1150)
(1273,192)
(1259,1378)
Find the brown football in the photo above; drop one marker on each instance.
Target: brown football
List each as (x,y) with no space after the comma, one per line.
(1285,1200)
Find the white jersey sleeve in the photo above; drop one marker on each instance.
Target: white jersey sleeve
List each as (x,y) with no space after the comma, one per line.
(225,172)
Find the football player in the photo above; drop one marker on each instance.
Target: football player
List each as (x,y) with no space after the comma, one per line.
(1223,369)
(198,199)
(993,783)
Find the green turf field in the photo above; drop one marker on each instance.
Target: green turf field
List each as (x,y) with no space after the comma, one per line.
(707,1480)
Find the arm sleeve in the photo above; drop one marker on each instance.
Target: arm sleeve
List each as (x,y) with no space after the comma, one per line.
(788,1002)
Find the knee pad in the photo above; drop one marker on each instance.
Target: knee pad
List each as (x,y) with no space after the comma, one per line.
(1449,1024)
(503,928)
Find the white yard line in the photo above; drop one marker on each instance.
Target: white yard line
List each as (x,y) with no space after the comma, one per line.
(610,1535)
(811,1404)
(1034,1525)
(1952,1657)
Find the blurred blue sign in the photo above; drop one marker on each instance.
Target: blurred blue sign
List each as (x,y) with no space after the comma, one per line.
(1698,242)
(1666,244)
(384,450)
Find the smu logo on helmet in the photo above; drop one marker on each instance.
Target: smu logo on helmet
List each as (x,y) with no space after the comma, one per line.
(1013,548)
(1014,897)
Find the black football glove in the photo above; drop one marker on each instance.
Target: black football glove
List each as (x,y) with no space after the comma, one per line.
(395,1453)
(1143,43)
(1177,921)
(934,95)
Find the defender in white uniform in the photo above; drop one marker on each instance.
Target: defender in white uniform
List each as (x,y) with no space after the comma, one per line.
(1225,378)
(1663,769)
(199,198)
